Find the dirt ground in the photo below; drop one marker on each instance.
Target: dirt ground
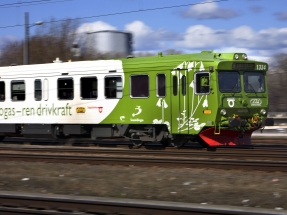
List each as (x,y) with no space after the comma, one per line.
(204,186)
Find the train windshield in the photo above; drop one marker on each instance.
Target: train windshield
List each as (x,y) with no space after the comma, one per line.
(254,82)
(229,81)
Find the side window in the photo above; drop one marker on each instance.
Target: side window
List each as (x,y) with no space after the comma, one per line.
(2,91)
(139,86)
(202,83)
(65,88)
(89,87)
(161,85)
(18,90)
(113,87)
(183,85)
(38,90)
(174,83)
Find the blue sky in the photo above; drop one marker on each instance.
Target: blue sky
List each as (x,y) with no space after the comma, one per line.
(257,27)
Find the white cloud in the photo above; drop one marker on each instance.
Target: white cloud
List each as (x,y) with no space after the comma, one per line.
(145,38)
(139,29)
(209,10)
(142,35)
(85,28)
(256,8)
(199,36)
(261,58)
(95,26)
(263,43)
(231,49)
(281,15)
(269,40)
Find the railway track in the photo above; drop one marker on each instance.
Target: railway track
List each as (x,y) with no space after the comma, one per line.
(276,139)
(221,153)
(13,203)
(149,161)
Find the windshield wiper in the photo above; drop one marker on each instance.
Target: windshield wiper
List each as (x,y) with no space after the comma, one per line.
(233,88)
(251,87)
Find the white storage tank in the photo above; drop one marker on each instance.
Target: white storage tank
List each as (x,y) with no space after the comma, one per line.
(111,42)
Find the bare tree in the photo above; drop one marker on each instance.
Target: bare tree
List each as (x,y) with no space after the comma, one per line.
(51,40)
(12,53)
(277,79)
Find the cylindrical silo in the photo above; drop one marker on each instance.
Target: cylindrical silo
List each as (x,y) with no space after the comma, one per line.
(111,42)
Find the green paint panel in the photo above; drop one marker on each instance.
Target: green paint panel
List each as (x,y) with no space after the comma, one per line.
(193,99)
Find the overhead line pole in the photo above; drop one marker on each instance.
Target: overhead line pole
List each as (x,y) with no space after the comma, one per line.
(27,27)
(26,40)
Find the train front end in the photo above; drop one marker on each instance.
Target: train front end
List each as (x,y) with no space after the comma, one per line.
(242,101)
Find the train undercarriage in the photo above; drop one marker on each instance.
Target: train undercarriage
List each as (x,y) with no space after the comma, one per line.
(138,134)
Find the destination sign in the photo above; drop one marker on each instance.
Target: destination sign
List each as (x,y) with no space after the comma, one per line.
(243,66)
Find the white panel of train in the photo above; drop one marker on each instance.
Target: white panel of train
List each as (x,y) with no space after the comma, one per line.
(54,93)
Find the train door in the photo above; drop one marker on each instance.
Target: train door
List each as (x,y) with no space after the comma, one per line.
(46,89)
(179,102)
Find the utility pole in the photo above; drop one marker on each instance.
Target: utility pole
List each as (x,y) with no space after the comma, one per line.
(26,39)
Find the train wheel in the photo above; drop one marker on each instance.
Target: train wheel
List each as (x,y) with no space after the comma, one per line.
(165,143)
(137,144)
(178,142)
(2,138)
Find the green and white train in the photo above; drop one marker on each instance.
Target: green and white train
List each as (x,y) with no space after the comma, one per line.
(217,99)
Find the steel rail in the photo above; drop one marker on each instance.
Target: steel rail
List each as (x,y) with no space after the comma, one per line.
(14,203)
(264,139)
(150,161)
(258,154)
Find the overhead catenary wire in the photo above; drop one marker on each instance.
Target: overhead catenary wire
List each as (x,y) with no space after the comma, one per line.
(20,4)
(32,4)
(124,12)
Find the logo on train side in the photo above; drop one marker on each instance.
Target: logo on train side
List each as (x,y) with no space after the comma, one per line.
(80,110)
(100,109)
(231,102)
(255,102)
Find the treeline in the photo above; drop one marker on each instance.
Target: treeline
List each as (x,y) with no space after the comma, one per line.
(277,84)
(51,40)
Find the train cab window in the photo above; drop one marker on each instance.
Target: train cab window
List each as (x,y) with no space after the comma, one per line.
(2,91)
(229,82)
(38,89)
(254,82)
(113,87)
(139,86)
(89,87)
(161,85)
(18,90)
(202,83)
(65,89)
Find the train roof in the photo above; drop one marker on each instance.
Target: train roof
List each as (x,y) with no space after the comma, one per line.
(106,66)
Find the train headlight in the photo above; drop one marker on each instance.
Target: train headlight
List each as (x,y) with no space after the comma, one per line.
(223,112)
(244,56)
(263,111)
(236,56)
